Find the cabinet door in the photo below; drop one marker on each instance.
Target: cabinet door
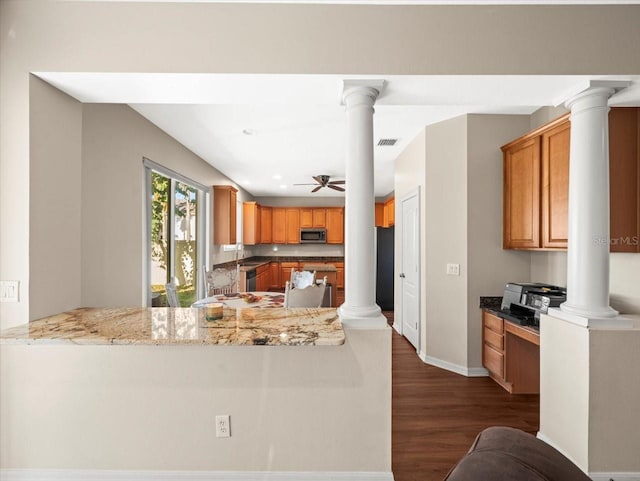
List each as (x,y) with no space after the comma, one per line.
(379,216)
(392,212)
(293,226)
(224,214)
(319,217)
(340,274)
(266,227)
(521,195)
(285,271)
(555,186)
(279,218)
(335,225)
(306,217)
(274,267)
(624,178)
(250,223)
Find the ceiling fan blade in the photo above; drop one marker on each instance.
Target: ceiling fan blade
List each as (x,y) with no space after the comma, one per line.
(305,184)
(335,187)
(317,189)
(337,182)
(318,179)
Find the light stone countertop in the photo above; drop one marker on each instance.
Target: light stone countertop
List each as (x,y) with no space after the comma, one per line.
(167,326)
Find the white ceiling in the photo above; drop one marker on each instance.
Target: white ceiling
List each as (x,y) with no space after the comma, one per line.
(296,122)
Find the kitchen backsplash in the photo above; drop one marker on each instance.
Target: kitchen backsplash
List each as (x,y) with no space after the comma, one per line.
(302,250)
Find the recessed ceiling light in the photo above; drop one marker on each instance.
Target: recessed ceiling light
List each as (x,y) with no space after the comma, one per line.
(277,176)
(283,186)
(249,132)
(246,182)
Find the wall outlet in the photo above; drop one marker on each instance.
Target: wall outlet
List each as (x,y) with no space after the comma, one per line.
(9,291)
(453,269)
(223,429)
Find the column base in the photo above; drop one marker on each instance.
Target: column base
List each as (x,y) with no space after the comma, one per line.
(369,317)
(592,322)
(600,313)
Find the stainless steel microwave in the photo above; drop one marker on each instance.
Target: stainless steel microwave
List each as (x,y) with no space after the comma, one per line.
(313,236)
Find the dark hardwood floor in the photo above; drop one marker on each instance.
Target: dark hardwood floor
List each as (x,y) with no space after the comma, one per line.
(437,414)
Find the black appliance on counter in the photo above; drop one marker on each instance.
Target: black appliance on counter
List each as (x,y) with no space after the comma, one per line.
(524,302)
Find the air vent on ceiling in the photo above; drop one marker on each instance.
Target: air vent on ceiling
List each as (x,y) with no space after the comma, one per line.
(387,142)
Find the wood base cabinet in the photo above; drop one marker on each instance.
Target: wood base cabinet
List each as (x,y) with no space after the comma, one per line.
(511,354)
(493,347)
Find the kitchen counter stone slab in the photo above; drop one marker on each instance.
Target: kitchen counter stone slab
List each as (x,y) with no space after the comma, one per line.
(171,326)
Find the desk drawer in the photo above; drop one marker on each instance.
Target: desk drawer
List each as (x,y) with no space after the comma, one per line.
(494,323)
(494,339)
(493,361)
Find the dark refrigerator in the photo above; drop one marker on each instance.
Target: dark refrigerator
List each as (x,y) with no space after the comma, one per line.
(384,273)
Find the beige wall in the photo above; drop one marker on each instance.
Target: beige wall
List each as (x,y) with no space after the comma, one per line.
(409,176)
(564,388)
(54,200)
(302,408)
(614,395)
(445,217)
(489,266)
(45,36)
(589,395)
(115,139)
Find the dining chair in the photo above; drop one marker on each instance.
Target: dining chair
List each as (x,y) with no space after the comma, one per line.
(302,279)
(221,280)
(172,293)
(310,296)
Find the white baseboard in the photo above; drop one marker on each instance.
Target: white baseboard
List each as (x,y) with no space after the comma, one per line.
(620,476)
(118,475)
(398,328)
(449,366)
(615,476)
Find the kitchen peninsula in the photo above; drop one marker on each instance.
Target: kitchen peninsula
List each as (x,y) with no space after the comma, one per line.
(125,325)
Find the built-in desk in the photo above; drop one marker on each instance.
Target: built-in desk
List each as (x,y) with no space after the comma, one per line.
(511,354)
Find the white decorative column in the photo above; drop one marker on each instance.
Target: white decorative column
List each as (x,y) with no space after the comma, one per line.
(359,309)
(588,250)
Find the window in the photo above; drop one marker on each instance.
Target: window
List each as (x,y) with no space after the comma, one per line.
(176,234)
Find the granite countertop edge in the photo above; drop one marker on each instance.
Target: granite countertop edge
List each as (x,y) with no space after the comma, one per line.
(181,326)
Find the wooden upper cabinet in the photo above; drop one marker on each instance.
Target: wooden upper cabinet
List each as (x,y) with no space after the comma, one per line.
(624,178)
(521,194)
(306,217)
(293,226)
(224,214)
(250,223)
(319,218)
(266,225)
(385,213)
(389,213)
(279,231)
(335,225)
(313,217)
(379,214)
(541,158)
(555,186)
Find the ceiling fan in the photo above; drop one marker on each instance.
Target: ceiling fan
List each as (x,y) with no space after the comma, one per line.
(323,181)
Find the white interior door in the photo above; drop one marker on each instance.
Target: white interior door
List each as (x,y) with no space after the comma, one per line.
(410,273)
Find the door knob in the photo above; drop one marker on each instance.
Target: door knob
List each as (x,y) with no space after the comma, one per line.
(402,275)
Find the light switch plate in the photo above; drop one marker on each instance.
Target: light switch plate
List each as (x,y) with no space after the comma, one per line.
(453,269)
(9,291)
